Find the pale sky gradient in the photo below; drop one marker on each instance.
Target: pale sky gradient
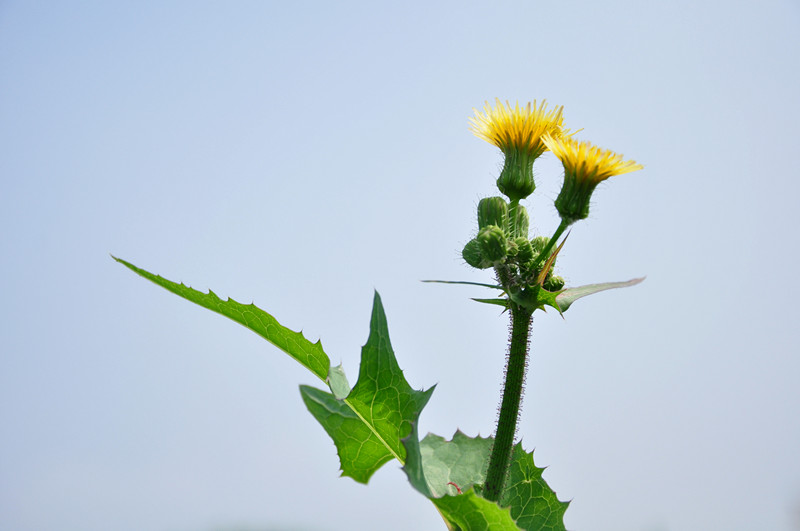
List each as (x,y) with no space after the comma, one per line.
(300,155)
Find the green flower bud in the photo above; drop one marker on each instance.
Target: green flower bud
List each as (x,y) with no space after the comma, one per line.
(553,284)
(492,211)
(511,248)
(518,221)
(538,243)
(524,250)
(493,243)
(472,255)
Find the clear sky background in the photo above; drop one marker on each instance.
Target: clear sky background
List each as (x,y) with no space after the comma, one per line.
(300,155)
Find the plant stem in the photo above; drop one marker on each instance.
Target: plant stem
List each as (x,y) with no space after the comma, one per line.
(500,458)
(545,254)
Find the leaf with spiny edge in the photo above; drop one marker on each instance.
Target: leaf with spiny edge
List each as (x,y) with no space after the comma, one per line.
(361,451)
(381,396)
(533,504)
(435,465)
(367,424)
(309,355)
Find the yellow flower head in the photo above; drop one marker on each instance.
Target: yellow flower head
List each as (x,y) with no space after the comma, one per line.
(585,166)
(518,133)
(518,129)
(583,161)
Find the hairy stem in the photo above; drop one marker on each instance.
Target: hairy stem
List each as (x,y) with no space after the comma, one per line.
(500,458)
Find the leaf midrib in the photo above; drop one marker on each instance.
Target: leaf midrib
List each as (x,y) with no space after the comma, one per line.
(375,432)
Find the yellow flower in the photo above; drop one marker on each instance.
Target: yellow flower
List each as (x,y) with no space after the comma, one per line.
(585,166)
(587,162)
(518,131)
(515,128)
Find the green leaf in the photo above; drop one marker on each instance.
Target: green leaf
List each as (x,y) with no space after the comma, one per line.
(460,462)
(566,297)
(493,286)
(361,451)
(382,397)
(533,504)
(310,355)
(366,426)
(436,466)
(367,422)
(533,298)
(414,466)
(498,302)
(548,298)
(470,512)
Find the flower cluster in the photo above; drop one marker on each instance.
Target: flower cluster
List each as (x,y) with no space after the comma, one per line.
(523,134)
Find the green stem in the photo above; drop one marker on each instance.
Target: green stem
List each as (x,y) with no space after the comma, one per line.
(545,254)
(500,459)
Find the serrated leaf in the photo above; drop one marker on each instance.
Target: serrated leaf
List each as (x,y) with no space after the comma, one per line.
(436,466)
(470,512)
(382,397)
(548,298)
(367,424)
(361,451)
(566,297)
(533,504)
(460,462)
(414,466)
(309,355)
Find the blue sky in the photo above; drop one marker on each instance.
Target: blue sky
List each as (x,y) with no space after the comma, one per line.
(301,155)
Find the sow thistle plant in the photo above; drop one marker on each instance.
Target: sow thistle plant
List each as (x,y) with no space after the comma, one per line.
(475,483)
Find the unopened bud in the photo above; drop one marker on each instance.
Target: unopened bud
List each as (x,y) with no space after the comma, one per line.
(553,284)
(538,243)
(518,221)
(524,250)
(473,256)
(492,241)
(511,248)
(492,211)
